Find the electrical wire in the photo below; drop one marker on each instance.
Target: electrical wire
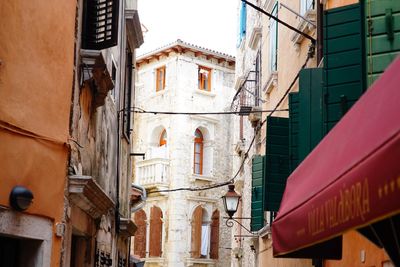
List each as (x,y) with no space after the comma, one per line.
(142,111)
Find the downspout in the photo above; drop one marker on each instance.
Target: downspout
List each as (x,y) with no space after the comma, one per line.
(144,197)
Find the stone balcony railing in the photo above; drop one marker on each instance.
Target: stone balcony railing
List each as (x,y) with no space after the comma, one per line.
(153,173)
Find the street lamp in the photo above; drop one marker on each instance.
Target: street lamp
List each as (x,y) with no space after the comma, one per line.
(231,201)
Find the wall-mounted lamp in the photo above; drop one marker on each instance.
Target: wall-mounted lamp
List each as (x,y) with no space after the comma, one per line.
(20,198)
(231,203)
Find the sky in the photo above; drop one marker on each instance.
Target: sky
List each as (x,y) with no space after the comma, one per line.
(210,24)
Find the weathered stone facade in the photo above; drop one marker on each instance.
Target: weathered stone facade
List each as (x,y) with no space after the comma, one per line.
(171,166)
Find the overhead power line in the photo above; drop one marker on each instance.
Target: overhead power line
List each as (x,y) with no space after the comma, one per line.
(142,111)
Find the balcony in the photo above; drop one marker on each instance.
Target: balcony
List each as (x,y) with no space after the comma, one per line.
(153,173)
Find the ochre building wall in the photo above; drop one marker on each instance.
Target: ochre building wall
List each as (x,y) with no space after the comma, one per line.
(338,3)
(354,245)
(36,67)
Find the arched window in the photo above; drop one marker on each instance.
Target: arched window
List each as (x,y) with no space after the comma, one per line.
(214,242)
(155,232)
(140,235)
(163,138)
(198,153)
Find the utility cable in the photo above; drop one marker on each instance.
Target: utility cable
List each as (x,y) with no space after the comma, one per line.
(142,111)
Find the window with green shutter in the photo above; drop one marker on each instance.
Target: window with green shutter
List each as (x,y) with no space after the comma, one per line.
(344,64)
(382,26)
(257,193)
(276,162)
(293,131)
(310,110)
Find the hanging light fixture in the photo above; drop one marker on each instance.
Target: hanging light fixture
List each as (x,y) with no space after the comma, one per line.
(231,201)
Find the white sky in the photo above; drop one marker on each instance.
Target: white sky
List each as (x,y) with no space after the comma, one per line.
(207,23)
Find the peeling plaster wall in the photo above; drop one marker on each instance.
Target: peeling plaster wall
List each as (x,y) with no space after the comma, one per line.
(181,94)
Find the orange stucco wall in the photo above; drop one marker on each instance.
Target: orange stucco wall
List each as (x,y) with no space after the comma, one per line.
(36,70)
(338,3)
(354,245)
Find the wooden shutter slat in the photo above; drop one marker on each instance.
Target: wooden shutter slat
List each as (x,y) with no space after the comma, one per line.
(197,219)
(140,235)
(344,74)
(293,131)
(100,24)
(257,193)
(310,110)
(277,161)
(155,232)
(214,242)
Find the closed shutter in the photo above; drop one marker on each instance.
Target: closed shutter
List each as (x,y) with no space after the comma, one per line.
(140,235)
(293,131)
(100,24)
(257,193)
(197,220)
(383,35)
(155,232)
(344,72)
(310,110)
(277,161)
(214,243)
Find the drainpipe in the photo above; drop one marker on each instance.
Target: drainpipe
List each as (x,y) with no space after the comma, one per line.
(144,197)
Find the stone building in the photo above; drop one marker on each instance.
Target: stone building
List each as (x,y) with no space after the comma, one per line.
(183,228)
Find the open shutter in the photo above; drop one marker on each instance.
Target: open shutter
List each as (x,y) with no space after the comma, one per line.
(310,110)
(140,235)
(343,62)
(293,131)
(214,243)
(196,231)
(155,232)
(257,193)
(100,24)
(383,35)
(277,161)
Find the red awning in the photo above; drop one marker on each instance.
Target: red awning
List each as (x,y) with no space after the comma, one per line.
(350,180)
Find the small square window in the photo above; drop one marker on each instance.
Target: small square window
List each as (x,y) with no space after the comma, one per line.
(160,78)
(204,78)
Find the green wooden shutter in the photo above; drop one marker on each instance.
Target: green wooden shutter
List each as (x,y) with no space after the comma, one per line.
(344,63)
(382,26)
(310,110)
(277,161)
(293,131)
(257,194)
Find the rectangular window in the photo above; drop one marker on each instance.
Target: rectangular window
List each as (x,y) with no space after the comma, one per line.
(160,78)
(273,40)
(306,5)
(100,24)
(204,78)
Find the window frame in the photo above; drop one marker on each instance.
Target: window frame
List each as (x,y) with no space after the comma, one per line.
(203,78)
(306,5)
(200,141)
(273,40)
(160,81)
